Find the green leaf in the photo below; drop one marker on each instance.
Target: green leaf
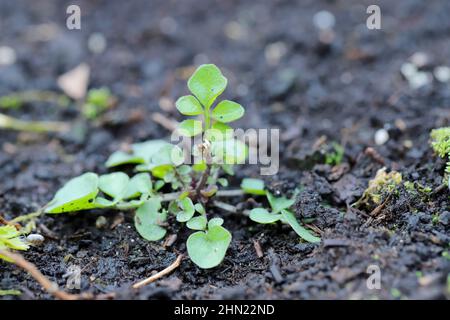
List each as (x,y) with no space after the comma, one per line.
(253,186)
(159,184)
(197,223)
(207,249)
(114,184)
(227,111)
(215,222)
(189,106)
(223,182)
(219,131)
(301,231)
(199,208)
(280,203)
(77,194)
(119,158)
(148,219)
(229,152)
(139,184)
(187,210)
(8,232)
(199,167)
(10,292)
(147,149)
(261,215)
(207,83)
(10,238)
(190,128)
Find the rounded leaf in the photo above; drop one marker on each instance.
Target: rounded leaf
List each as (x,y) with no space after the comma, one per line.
(227,111)
(114,184)
(207,83)
(119,158)
(219,132)
(207,249)
(280,203)
(197,223)
(77,194)
(215,222)
(302,232)
(253,186)
(190,128)
(189,106)
(229,151)
(261,215)
(139,184)
(147,220)
(187,210)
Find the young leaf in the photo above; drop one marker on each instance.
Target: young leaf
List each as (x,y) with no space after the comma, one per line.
(253,186)
(199,208)
(219,132)
(187,210)
(302,232)
(215,222)
(280,203)
(114,184)
(261,215)
(227,111)
(190,128)
(147,149)
(207,249)
(148,219)
(119,158)
(139,184)
(207,83)
(230,151)
(197,223)
(77,194)
(189,106)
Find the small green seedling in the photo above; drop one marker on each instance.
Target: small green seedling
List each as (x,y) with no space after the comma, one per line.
(440,142)
(10,238)
(335,156)
(97,102)
(162,177)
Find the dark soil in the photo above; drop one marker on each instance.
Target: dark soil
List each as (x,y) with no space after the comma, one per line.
(345,92)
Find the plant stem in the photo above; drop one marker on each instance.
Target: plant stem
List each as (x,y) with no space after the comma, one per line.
(7,122)
(228,207)
(27,217)
(221,193)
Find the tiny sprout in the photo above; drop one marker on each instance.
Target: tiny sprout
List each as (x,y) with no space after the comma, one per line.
(440,142)
(164,190)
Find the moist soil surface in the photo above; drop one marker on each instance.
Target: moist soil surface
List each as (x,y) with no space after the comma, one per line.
(315,92)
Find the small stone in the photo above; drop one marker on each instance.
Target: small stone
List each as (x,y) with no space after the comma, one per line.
(168,25)
(235,31)
(7,56)
(420,79)
(274,52)
(324,20)
(419,59)
(381,136)
(408,70)
(35,239)
(101,222)
(442,73)
(97,43)
(444,218)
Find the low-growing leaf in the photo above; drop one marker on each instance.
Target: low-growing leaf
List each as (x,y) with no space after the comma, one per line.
(261,215)
(207,83)
(280,203)
(189,106)
(114,184)
(139,184)
(199,208)
(253,186)
(187,210)
(119,158)
(227,111)
(301,231)
(77,194)
(197,223)
(147,149)
(207,249)
(215,222)
(190,128)
(148,219)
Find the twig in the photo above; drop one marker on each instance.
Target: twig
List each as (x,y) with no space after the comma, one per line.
(7,122)
(160,274)
(258,248)
(48,285)
(439,189)
(166,122)
(229,207)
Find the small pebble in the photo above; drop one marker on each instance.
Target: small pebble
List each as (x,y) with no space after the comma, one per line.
(408,70)
(235,31)
(324,20)
(442,73)
(96,43)
(381,136)
(101,222)
(35,239)
(274,52)
(168,25)
(419,59)
(419,80)
(7,56)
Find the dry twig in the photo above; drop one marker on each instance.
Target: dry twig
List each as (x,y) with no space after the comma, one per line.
(160,274)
